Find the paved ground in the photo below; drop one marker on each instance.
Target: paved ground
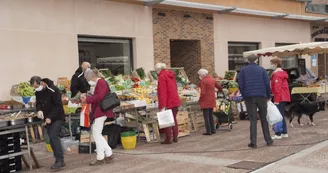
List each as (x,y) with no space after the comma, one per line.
(198,153)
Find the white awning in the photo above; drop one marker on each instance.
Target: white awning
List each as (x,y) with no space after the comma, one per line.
(295,49)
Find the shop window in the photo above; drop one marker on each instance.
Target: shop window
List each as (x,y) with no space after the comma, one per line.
(288,61)
(107,53)
(236,50)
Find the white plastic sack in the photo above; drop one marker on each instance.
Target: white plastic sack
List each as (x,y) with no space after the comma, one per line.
(165,119)
(273,115)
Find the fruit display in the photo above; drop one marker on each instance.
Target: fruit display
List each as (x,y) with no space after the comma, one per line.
(222,106)
(25,89)
(232,84)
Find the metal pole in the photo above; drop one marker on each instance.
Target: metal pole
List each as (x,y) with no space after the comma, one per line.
(325,75)
(28,148)
(70,126)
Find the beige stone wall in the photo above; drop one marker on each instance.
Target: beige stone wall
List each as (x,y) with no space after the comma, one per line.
(174,26)
(39,37)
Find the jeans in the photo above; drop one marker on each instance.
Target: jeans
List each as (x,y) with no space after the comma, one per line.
(252,104)
(208,118)
(281,107)
(168,131)
(53,131)
(102,147)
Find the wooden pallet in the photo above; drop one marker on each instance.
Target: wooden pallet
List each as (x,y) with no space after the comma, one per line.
(197,121)
(154,126)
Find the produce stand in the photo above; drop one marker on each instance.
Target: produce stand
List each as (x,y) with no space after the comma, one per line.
(296,49)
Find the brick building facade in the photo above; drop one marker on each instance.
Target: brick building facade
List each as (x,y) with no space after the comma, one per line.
(181,30)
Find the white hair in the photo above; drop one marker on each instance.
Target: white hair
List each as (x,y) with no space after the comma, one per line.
(202,72)
(160,66)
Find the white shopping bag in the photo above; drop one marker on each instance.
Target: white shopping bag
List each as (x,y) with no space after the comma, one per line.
(273,115)
(165,119)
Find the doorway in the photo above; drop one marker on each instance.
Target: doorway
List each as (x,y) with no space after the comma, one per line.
(187,54)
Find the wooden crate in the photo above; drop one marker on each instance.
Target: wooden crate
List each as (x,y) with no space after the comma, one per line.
(197,121)
(85,138)
(183,121)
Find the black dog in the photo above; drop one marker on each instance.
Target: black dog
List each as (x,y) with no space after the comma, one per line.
(307,108)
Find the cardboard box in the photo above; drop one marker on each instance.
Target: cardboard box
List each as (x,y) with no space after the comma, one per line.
(183,123)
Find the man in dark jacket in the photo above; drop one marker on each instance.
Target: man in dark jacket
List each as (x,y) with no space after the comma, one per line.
(254,86)
(78,82)
(50,108)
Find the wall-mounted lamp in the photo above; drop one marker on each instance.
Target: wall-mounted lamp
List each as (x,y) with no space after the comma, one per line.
(187,16)
(161,14)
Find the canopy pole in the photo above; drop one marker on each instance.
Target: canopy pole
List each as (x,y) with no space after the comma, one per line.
(325,76)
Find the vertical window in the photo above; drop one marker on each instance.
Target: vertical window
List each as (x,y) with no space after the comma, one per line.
(107,53)
(288,61)
(236,50)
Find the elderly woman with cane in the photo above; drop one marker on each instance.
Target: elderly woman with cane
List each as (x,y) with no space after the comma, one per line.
(168,98)
(207,99)
(99,89)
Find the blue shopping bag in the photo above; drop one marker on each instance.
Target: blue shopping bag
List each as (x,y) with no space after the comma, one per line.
(277,127)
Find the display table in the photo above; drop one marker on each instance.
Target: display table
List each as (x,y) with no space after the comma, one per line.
(305,92)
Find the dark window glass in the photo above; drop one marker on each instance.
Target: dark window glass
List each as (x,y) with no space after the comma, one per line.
(236,50)
(105,53)
(288,61)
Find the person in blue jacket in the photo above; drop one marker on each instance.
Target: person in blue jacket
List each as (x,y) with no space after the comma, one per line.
(254,85)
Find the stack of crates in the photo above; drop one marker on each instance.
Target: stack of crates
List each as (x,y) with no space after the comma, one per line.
(10,144)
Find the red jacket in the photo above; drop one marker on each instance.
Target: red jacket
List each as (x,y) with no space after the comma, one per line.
(167,90)
(279,86)
(207,97)
(100,91)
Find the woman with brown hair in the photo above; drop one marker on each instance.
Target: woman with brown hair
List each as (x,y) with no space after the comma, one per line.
(281,94)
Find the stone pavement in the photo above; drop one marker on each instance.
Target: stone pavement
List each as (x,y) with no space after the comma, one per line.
(213,154)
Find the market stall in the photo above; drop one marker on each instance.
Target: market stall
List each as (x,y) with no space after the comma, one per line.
(299,49)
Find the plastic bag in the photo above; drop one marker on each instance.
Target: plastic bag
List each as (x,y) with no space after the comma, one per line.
(273,114)
(165,119)
(277,127)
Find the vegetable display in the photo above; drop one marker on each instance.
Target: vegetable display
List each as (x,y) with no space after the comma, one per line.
(25,90)
(229,75)
(141,73)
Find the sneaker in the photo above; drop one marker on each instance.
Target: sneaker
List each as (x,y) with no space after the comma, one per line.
(276,137)
(97,162)
(284,135)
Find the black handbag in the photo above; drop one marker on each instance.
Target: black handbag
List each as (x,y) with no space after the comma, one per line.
(109,102)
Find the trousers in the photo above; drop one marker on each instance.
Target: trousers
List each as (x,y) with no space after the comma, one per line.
(208,118)
(102,147)
(169,130)
(252,104)
(53,131)
(281,107)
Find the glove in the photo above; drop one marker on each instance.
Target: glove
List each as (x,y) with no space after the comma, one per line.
(40,115)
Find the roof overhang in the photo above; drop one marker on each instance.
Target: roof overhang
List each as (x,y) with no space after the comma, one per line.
(226,9)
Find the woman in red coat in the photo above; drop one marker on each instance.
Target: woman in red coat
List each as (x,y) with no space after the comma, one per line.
(281,94)
(168,98)
(99,88)
(207,99)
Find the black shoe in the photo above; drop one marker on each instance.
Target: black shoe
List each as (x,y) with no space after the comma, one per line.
(213,133)
(207,134)
(58,165)
(269,143)
(252,145)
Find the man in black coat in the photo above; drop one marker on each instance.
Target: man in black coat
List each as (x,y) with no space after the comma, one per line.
(50,108)
(78,82)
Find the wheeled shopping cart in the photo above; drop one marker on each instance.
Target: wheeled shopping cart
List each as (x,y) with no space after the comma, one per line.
(223,111)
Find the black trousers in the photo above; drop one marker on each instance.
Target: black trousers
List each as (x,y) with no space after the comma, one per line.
(53,131)
(208,118)
(252,104)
